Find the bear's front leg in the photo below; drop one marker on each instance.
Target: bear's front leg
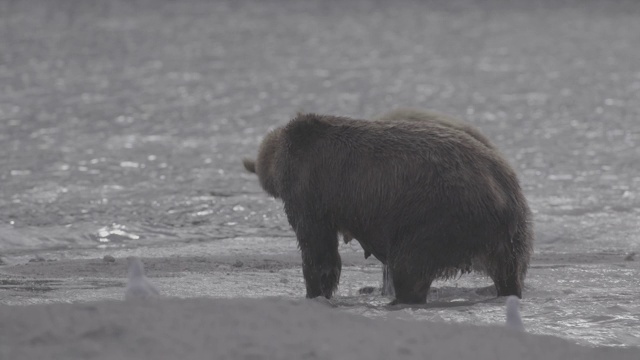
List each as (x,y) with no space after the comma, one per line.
(321,264)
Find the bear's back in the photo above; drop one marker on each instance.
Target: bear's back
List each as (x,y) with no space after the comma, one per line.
(394,164)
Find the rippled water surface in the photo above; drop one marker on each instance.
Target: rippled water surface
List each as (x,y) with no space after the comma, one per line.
(123,125)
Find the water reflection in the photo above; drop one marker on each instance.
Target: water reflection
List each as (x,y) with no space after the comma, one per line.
(115,233)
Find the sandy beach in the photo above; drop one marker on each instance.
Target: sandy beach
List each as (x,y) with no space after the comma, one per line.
(270,328)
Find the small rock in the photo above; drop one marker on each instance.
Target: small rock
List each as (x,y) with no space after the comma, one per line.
(367,290)
(238,263)
(630,256)
(284,281)
(109,259)
(2,262)
(38,258)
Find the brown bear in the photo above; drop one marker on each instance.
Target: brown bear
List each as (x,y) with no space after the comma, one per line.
(424,198)
(427,117)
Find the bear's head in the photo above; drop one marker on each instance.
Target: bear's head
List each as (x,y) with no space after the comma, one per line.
(265,165)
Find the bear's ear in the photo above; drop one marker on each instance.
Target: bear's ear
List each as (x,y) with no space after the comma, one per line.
(250,165)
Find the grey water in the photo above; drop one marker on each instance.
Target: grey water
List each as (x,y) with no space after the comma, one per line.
(123,125)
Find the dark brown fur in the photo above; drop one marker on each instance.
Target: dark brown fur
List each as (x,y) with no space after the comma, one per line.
(428,118)
(425,199)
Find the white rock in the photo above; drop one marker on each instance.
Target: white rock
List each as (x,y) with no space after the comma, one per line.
(138,286)
(514,321)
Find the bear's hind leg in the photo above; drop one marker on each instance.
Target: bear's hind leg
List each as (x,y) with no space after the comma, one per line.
(409,288)
(506,276)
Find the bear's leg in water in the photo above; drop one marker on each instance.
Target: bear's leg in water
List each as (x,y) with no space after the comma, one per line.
(410,286)
(505,273)
(321,263)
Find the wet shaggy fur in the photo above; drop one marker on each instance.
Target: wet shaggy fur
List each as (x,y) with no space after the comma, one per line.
(425,199)
(426,117)
(429,118)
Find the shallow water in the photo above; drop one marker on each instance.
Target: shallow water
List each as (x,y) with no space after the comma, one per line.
(123,126)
